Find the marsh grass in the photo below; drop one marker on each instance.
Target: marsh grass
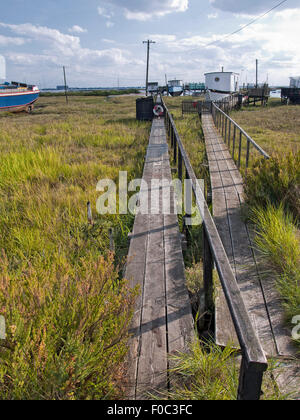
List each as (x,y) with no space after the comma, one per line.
(209,372)
(61,290)
(278,240)
(275,128)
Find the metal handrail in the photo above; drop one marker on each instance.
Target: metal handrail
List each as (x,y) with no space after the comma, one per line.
(223,123)
(254,362)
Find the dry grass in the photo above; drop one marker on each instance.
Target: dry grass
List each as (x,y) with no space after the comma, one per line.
(276,128)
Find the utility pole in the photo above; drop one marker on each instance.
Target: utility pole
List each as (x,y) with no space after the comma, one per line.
(256,85)
(148,53)
(65,84)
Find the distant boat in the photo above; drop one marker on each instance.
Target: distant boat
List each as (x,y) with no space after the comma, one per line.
(175,87)
(16,97)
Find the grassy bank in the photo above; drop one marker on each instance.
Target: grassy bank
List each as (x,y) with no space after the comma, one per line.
(109,92)
(64,301)
(276,128)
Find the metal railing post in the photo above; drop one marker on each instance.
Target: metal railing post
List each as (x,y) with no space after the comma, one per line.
(240,150)
(248,153)
(233,142)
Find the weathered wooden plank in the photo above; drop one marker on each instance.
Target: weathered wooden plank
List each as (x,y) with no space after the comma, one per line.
(287,377)
(135,273)
(224,329)
(244,264)
(152,366)
(155,261)
(179,314)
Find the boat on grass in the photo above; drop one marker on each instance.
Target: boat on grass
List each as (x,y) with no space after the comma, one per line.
(17,97)
(175,87)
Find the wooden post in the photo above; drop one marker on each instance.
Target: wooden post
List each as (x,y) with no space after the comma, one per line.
(208,265)
(89,213)
(65,79)
(251,376)
(111,239)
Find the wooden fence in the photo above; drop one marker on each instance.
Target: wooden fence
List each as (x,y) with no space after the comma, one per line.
(254,362)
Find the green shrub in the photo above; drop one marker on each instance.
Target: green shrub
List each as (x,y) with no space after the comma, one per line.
(66,330)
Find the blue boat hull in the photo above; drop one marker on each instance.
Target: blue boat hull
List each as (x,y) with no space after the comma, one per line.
(175,90)
(17,102)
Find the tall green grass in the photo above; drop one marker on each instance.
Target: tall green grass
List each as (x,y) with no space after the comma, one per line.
(275,181)
(208,372)
(279,241)
(65,303)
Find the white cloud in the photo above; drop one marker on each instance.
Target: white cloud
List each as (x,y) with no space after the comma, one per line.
(212,16)
(63,43)
(57,49)
(6,40)
(162,38)
(108,41)
(77,29)
(105,13)
(143,10)
(109,24)
(251,7)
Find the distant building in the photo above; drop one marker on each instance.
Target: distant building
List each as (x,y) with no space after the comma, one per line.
(295,82)
(222,82)
(152,87)
(62,87)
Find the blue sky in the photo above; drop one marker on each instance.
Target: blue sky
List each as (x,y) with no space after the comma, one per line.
(100,41)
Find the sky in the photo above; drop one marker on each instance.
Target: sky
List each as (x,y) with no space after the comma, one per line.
(100,42)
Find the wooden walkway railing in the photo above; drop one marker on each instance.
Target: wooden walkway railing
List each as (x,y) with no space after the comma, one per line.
(254,362)
(194,107)
(238,141)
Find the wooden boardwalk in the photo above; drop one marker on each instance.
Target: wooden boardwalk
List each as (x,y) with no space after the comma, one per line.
(162,322)
(257,288)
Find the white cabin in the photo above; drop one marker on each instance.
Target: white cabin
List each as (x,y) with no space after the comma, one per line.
(222,81)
